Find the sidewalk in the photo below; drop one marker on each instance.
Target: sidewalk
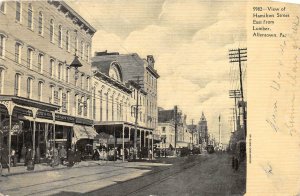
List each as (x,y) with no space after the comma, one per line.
(44,167)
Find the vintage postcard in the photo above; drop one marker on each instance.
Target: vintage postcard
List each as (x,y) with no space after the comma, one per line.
(153,97)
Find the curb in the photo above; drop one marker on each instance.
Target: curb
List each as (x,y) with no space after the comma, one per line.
(57,169)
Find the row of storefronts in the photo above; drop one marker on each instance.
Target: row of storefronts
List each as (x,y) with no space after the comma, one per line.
(54,95)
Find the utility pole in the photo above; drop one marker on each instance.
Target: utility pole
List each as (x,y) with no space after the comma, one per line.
(175,123)
(192,133)
(236,94)
(220,130)
(239,55)
(136,111)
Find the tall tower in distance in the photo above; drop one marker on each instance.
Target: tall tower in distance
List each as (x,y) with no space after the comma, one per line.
(203,128)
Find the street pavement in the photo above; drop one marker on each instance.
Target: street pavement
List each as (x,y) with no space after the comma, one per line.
(209,174)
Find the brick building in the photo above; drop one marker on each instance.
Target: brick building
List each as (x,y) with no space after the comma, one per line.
(38,42)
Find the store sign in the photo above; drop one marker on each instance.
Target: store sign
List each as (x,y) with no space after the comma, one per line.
(84,121)
(58,117)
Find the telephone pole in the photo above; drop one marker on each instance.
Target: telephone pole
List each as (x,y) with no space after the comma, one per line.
(236,94)
(136,110)
(192,133)
(238,56)
(220,130)
(175,123)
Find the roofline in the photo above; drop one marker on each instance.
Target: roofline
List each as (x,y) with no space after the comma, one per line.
(153,71)
(63,3)
(114,82)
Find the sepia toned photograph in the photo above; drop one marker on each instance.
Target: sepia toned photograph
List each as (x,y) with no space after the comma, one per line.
(130,97)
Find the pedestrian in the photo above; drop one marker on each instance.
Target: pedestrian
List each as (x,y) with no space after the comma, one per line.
(70,157)
(150,154)
(28,155)
(62,154)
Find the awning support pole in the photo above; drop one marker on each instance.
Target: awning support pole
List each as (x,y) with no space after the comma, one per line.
(34,111)
(123,145)
(140,139)
(10,108)
(152,146)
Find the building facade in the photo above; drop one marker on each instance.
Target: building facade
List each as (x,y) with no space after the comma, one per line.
(126,97)
(184,136)
(48,100)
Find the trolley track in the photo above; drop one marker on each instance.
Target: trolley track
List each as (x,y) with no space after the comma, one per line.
(179,169)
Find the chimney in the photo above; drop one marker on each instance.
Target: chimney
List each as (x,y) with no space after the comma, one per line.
(150,60)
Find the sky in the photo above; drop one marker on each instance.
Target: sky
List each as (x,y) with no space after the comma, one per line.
(189,39)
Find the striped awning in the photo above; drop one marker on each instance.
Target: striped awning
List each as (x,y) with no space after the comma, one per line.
(84,132)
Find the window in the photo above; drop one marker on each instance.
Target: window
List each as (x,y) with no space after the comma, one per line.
(67,101)
(81,81)
(67,74)
(30,16)
(88,53)
(76,104)
(60,98)
(41,23)
(82,50)
(76,46)
(68,41)
(59,71)
(2,45)
(52,30)
(17,84)
(88,83)
(29,87)
(101,107)
(51,98)
(40,62)
(29,58)
(51,67)
(18,52)
(40,91)
(60,36)
(3,7)
(88,107)
(1,80)
(18,11)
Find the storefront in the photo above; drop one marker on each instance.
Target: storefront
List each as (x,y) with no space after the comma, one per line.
(27,124)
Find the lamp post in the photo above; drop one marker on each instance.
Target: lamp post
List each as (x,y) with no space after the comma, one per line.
(76,64)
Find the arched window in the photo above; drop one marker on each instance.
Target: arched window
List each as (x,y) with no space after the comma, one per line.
(1,80)
(30,16)
(59,71)
(18,11)
(2,45)
(68,41)
(59,36)
(52,30)
(67,74)
(17,84)
(68,102)
(87,55)
(82,50)
(82,81)
(3,7)
(40,91)
(51,66)
(41,23)
(18,52)
(88,107)
(29,88)
(40,62)
(29,58)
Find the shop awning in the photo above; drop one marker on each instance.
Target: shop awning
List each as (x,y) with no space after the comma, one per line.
(84,132)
